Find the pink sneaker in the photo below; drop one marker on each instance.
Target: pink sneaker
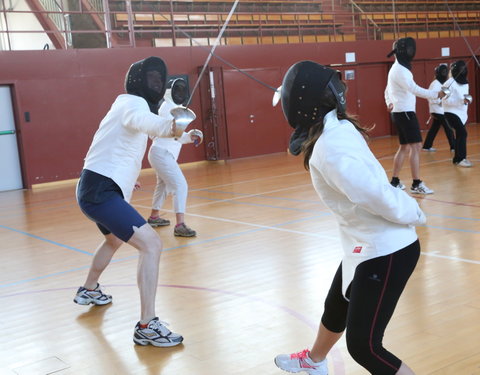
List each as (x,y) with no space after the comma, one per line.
(301,361)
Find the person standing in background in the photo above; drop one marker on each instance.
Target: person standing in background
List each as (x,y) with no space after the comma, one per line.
(163,155)
(456,110)
(437,113)
(400,97)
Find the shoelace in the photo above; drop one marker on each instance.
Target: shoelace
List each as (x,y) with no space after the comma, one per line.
(300,355)
(100,289)
(157,323)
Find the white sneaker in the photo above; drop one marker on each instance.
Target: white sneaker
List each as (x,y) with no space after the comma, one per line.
(156,334)
(431,149)
(399,186)
(421,188)
(95,296)
(465,163)
(301,361)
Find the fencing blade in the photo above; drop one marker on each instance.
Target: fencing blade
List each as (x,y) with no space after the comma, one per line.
(198,44)
(215,44)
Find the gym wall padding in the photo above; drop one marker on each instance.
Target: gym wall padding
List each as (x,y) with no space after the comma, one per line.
(60,96)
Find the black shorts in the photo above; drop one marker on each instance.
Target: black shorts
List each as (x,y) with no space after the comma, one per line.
(408,127)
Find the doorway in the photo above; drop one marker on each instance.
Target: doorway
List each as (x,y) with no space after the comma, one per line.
(10,170)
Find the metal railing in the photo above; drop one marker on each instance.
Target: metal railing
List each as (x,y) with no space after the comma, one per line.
(131,23)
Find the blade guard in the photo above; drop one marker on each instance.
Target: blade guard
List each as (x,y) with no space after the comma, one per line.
(183,117)
(446,91)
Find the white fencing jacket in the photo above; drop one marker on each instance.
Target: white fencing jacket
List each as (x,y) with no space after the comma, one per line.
(435,105)
(119,144)
(375,219)
(172,145)
(401,90)
(454,103)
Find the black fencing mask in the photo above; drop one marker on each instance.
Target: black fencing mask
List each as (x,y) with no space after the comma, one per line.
(303,93)
(179,91)
(404,50)
(147,78)
(441,73)
(302,90)
(459,71)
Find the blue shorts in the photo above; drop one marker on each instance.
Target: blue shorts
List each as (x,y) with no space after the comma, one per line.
(101,200)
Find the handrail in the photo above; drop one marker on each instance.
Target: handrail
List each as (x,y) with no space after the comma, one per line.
(363,12)
(124,23)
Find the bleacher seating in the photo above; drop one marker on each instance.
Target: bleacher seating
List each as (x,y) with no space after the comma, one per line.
(255,22)
(296,21)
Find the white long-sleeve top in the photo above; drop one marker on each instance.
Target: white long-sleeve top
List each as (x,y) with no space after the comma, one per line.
(375,219)
(401,90)
(435,105)
(455,102)
(119,144)
(172,145)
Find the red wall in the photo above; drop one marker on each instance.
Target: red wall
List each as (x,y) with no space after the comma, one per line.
(67,93)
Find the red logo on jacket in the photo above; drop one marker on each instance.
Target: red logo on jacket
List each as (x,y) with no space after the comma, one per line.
(357,249)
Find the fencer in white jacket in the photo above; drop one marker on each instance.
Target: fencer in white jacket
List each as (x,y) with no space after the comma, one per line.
(111,168)
(456,110)
(437,113)
(163,156)
(376,222)
(400,98)
(374,218)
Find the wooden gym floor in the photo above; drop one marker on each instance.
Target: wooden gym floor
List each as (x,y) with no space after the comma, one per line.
(250,286)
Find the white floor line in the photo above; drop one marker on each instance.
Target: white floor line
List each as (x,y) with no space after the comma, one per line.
(311,234)
(318,235)
(253,180)
(435,255)
(248,196)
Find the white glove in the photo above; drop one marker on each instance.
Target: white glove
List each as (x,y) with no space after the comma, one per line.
(194,133)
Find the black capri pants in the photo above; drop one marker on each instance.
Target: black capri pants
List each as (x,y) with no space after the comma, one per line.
(407,126)
(460,136)
(373,295)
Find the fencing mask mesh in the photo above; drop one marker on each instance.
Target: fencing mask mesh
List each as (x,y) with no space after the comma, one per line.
(404,50)
(179,91)
(441,73)
(147,78)
(459,72)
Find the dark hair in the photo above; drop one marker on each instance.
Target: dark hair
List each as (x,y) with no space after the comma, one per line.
(329,102)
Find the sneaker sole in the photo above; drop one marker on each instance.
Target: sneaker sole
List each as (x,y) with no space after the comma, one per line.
(157,344)
(291,371)
(158,225)
(184,235)
(417,192)
(85,302)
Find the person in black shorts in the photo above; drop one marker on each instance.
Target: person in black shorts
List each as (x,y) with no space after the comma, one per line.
(400,97)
